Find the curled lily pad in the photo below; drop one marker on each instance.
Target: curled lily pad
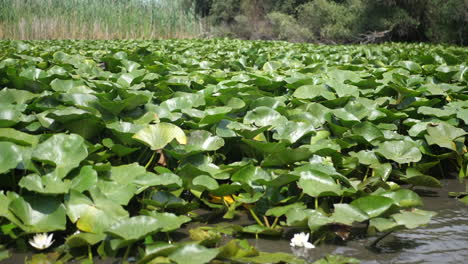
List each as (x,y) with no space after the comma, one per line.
(159,135)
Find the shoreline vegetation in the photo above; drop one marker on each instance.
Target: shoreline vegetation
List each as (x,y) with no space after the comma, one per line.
(104,19)
(311,21)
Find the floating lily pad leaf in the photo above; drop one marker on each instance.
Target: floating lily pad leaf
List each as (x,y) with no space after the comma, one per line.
(266,147)
(383,224)
(446,136)
(440,113)
(18,137)
(169,221)
(382,170)
(312,91)
(463,115)
(10,156)
(214,115)
(165,200)
(411,66)
(201,140)
(365,157)
(262,230)
(250,175)
(158,249)
(368,131)
(10,115)
(287,156)
(348,214)
(84,239)
(69,86)
(135,228)
(117,192)
(414,218)
(11,96)
(4,253)
(400,151)
(47,184)
(164,179)
(39,213)
(292,131)
(237,249)
(193,254)
(337,259)
(205,182)
(126,174)
(464,200)
(373,205)
(282,210)
(246,131)
(85,180)
(93,216)
(316,184)
(277,257)
(159,135)
(63,151)
(317,219)
(416,178)
(5,201)
(115,107)
(404,198)
(124,130)
(263,116)
(298,217)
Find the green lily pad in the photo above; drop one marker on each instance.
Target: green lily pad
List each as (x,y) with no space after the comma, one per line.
(400,151)
(159,135)
(193,254)
(65,152)
(373,205)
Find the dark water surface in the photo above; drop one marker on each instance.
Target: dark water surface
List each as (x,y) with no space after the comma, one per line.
(443,240)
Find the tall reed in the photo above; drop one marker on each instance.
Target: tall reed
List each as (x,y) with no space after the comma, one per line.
(98,19)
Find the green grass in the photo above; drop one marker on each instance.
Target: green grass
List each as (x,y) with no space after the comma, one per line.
(97,19)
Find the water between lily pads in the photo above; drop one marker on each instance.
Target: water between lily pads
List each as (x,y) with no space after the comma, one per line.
(443,240)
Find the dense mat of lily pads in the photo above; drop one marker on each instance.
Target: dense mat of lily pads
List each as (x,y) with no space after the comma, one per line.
(114,146)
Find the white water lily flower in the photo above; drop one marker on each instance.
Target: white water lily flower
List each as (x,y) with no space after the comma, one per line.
(301,240)
(42,241)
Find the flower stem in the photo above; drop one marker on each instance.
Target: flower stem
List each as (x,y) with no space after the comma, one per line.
(254,215)
(90,254)
(150,160)
(127,253)
(275,222)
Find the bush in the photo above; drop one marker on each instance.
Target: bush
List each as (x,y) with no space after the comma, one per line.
(285,27)
(332,21)
(447,21)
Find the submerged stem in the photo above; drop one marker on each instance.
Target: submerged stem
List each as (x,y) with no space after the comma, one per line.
(374,244)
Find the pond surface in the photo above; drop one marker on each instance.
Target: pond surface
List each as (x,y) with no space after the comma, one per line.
(443,240)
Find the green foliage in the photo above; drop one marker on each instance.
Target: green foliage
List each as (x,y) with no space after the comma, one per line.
(125,140)
(103,19)
(339,21)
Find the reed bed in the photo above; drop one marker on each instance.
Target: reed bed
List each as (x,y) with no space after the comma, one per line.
(98,19)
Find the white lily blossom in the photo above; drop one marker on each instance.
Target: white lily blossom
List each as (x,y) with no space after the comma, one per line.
(301,240)
(41,241)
